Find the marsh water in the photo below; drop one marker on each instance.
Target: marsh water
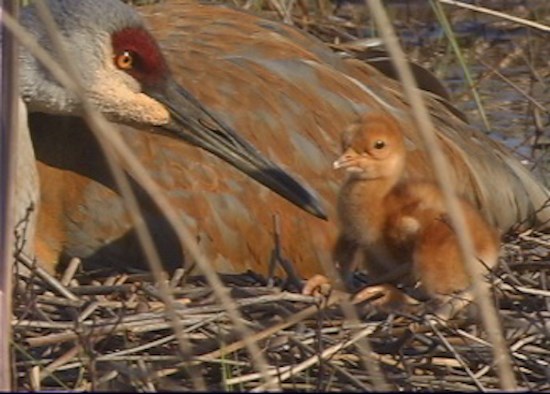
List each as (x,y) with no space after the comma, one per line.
(508,63)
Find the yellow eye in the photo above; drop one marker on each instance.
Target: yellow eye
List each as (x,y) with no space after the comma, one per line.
(379,144)
(125,60)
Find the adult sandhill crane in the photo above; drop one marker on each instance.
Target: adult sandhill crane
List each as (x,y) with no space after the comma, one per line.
(282,89)
(127,78)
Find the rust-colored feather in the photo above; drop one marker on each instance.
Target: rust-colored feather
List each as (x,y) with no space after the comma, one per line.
(288,94)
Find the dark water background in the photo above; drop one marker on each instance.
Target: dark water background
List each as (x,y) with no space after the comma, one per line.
(520,54)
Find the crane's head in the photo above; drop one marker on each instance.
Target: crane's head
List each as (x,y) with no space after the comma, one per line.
(126,77)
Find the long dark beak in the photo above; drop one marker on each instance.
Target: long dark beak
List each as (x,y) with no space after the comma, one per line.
(191,122)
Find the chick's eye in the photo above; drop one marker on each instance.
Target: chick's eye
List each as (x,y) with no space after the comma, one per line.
(125,60)
(379,144)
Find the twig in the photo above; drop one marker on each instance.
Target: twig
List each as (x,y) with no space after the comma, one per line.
(488,11)
(46,277)
(298,317)
(457,356)
(72,267)
(327,353)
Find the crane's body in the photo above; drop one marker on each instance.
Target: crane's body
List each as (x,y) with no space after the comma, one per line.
(288,94)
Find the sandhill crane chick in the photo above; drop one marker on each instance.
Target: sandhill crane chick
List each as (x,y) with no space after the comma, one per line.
(399,223)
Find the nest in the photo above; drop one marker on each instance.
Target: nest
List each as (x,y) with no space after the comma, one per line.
(116,333)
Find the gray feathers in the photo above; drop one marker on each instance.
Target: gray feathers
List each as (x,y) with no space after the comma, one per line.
(85,27)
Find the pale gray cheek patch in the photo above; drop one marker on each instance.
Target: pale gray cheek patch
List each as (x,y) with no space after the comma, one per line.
(117,102)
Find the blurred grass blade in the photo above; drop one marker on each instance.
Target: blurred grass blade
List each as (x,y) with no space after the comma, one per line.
(441,167)
(442,18)
(8,124)
(502,15)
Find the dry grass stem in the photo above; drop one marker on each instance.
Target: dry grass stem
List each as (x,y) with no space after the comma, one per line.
(441,171)
(147,331)
(9,130)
